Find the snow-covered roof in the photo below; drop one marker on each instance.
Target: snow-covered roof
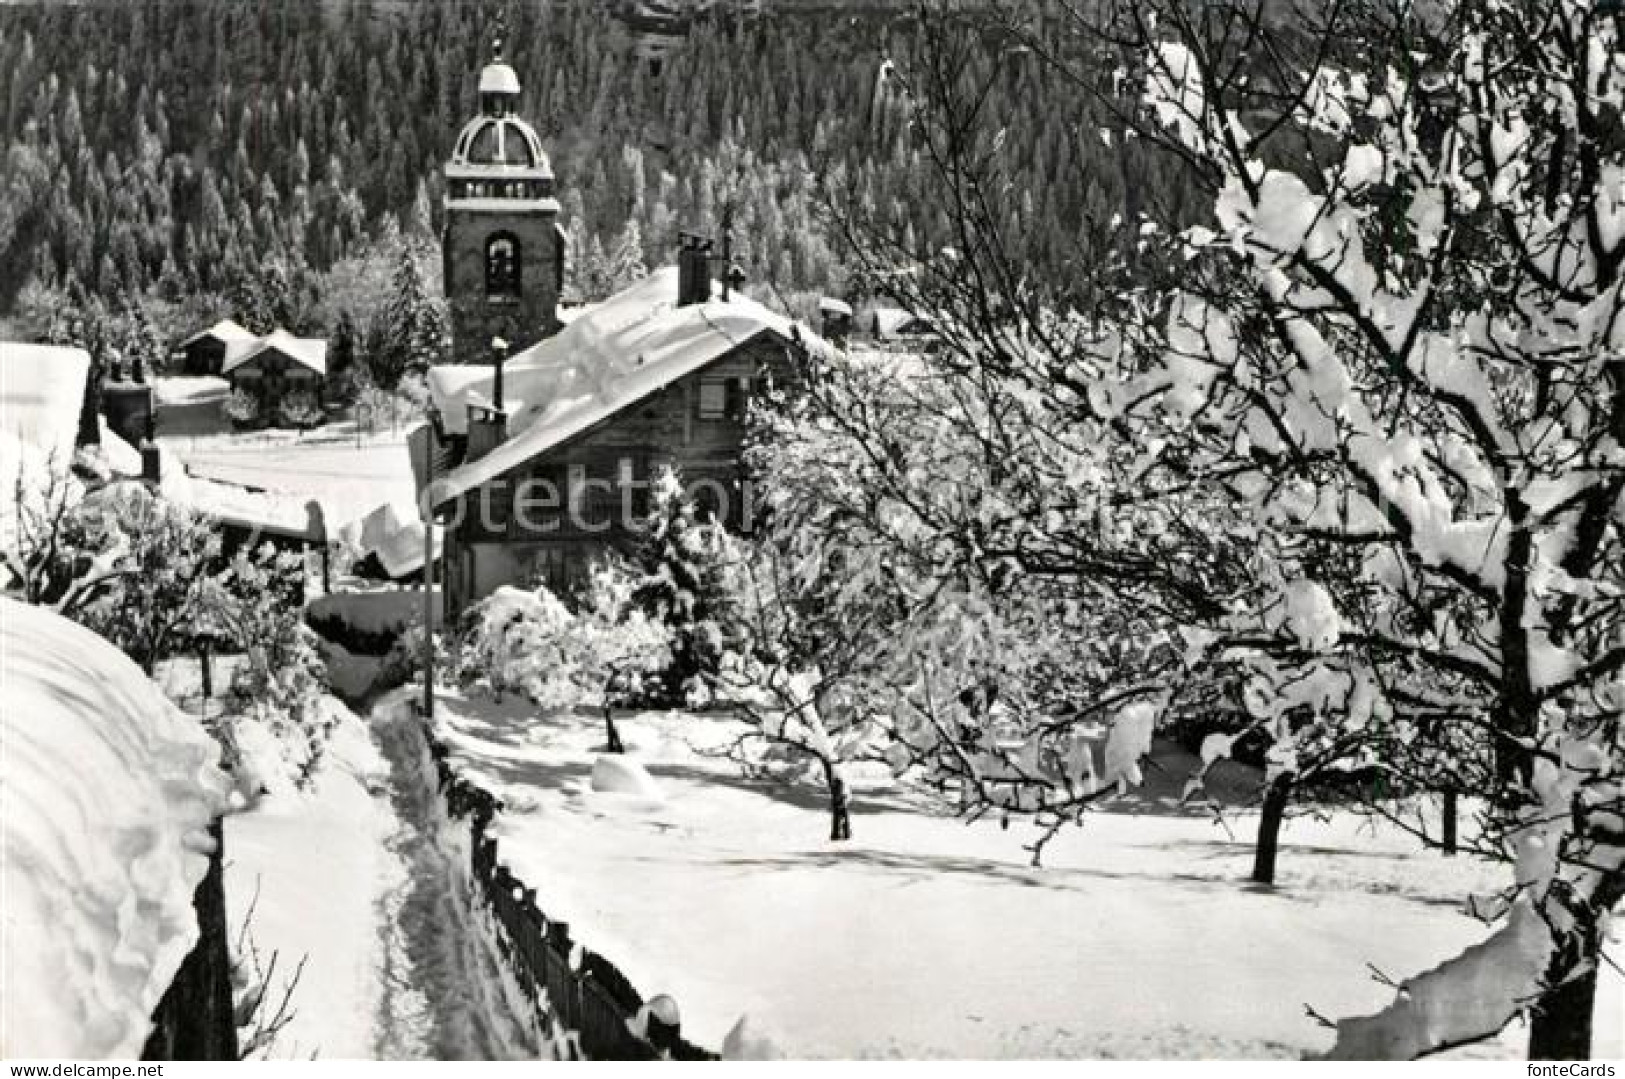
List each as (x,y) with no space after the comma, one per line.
(889,321)
(108,793)
(225,331)
(228,503)
(308,352)
(42,389)
(610,357)
(829,305)
(394,534)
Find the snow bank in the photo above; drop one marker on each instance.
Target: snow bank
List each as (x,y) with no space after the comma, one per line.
(106,794)
(622,775)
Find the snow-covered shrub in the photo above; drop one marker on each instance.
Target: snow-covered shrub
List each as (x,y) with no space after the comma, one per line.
(242,408)
(300,409)
(531,643)
(515,641)
(281,682)
(162,580)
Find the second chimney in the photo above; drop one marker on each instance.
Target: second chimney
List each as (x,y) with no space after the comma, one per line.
(693,269)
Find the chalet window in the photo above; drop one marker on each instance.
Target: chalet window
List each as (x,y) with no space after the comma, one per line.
(713,398)
(502,267)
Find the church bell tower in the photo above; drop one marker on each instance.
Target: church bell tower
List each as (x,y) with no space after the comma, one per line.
(502,246)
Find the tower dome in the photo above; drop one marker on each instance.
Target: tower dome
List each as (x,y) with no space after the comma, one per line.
(498,155)
(503,141)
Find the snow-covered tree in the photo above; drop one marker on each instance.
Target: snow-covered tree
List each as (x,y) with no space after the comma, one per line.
(48,556)
(1402,338)
(799,706)
(1369,413)
(411,335)
(940,552)
(683,563)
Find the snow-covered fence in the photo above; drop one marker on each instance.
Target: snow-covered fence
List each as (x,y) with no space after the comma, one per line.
(575,988)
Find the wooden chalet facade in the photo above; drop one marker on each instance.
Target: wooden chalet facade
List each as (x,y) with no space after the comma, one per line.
(542,506)
(276,365)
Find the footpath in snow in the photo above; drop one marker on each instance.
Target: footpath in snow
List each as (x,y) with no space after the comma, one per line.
(926,937)
(352,875)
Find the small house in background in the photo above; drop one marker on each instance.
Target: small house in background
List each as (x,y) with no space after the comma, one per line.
(204,353)
(835,319)
(272,367)
(895,324)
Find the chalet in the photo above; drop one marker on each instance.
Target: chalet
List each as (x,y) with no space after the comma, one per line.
(835,319)
(204,353)
(551,453)
(896,323)
(276,365)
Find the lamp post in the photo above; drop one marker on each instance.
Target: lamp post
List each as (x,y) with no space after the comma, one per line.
(426,512)
(499,351)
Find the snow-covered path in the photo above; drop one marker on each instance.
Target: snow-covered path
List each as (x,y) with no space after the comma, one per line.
(356,876)
(443,987)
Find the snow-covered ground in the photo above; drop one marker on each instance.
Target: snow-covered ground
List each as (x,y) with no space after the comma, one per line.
(312,865)
(351,471)
(925,936)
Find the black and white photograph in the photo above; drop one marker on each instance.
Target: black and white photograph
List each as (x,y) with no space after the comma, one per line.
(850,531)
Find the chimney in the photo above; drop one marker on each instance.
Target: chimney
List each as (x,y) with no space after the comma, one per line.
(488,427)
(693,269)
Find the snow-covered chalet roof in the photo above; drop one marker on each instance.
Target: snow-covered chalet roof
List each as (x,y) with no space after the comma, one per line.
(42,389)
(610,357)
(892,321)
(394,534)
(308,352)
(225,331)
(107,791)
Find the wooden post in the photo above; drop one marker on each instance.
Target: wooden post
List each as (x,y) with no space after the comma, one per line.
(205,668)
(1450,814)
